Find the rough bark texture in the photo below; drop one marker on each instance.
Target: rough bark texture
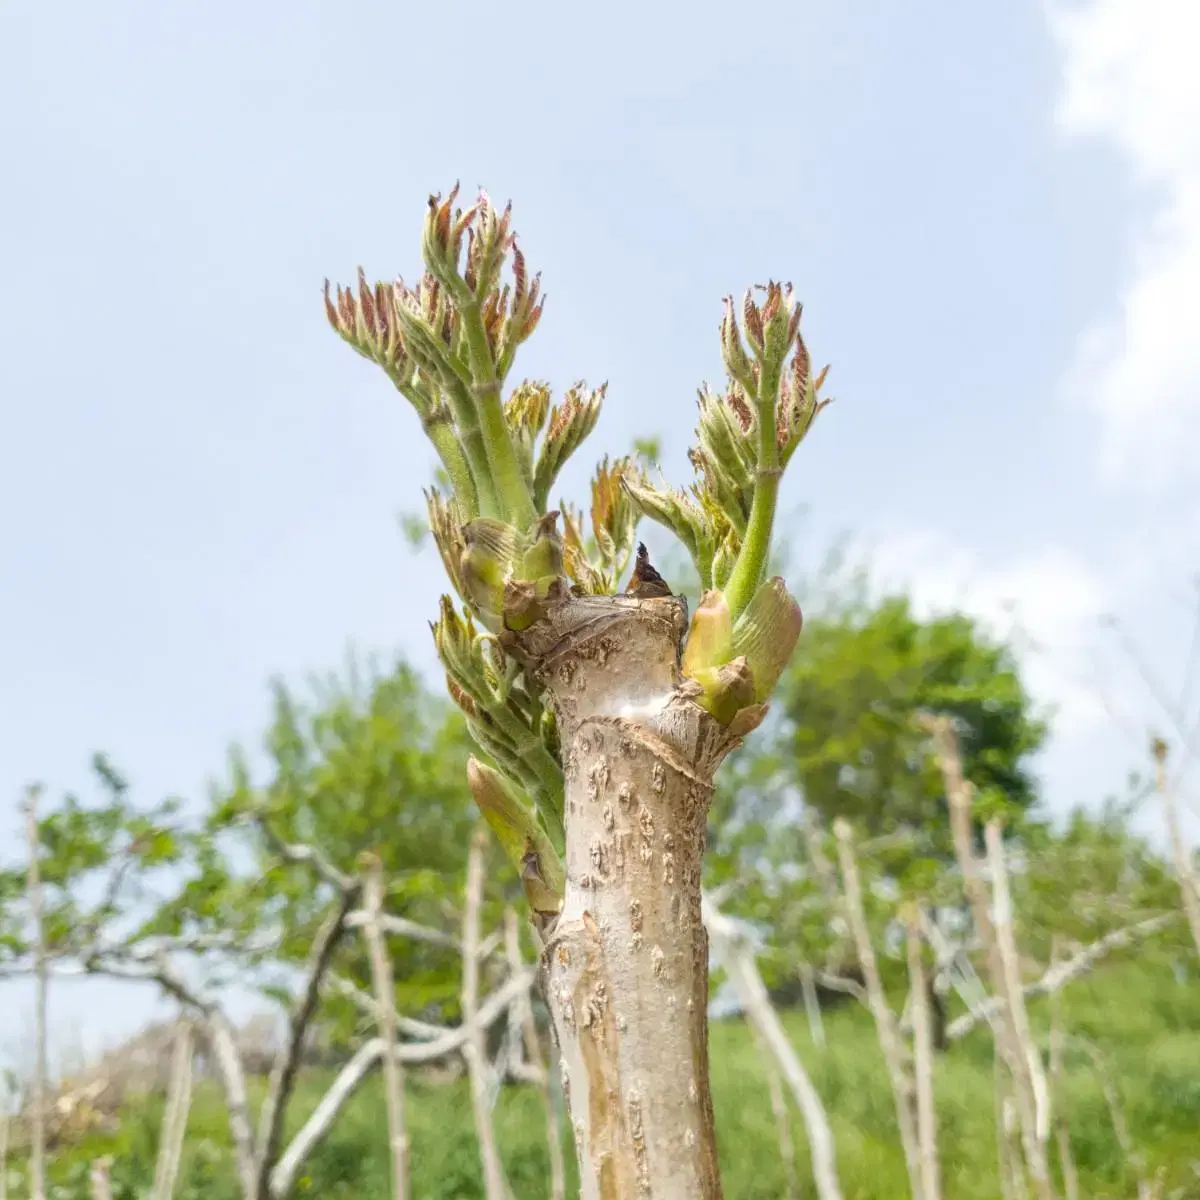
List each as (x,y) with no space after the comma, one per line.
(627,958)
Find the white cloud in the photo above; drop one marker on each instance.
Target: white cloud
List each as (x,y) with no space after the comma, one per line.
(1130,78)
(1046,604)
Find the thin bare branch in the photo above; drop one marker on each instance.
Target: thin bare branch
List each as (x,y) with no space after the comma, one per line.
(287,1060)
(298,852)
(474,1048)
(732,951)
(959,796)
(812,1004)
(366,1059)
(403,927)
(175,1118)
(842,983)
(1014,994)
(1116,1112)
(783,1125)
(533,1054)
(348,1081)
(1066,1157)
(1059,974)
(923,1059)
(409,1026)
(385,1007)
(885,1019)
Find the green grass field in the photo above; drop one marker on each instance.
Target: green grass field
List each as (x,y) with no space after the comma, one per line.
(1147,1023)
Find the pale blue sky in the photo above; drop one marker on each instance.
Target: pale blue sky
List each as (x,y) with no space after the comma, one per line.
(199,483)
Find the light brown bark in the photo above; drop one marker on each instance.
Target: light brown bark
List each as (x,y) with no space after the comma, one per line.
(959,795)
(627,957)
(384,986)
(175,1118)
(533,1054)
(737,958)
(475,1047)
(1066,1157)
(1006,943)
(923,1059)
(885,1019)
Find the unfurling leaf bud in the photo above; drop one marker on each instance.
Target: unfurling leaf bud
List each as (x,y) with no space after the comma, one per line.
(724,561)
(576,563)
(442,238)
(780,324)
(445,523)
(542,563)
(677,511)
(752,320)
(490,549)
(570,422)
(765,634)
(723,691)
(614,519)
(710,636)
(521,836)
(737,362)
(801,403)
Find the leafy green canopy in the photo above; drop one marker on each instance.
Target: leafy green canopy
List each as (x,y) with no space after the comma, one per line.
(850,698)
(448,344)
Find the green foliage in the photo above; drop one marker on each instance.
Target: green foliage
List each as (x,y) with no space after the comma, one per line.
(1142,1017)
(849,698)
(373,764)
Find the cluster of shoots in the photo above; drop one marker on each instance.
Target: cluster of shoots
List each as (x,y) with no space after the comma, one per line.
(448,344)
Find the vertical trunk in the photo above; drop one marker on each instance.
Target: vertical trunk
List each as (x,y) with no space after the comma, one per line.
(175,1118)
(385,1004)
(495,1186)
(783,1127)
(959,794)
(1006,943)
(627,957)
(533,1054)
(742,970)
(1066,1157)
(885,1019)
(37,1100)
(923,1063)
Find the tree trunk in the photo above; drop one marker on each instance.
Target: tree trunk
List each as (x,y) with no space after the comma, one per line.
(738,961)
(626,959)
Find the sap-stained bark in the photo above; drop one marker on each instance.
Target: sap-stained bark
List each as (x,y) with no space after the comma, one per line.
(627,959)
